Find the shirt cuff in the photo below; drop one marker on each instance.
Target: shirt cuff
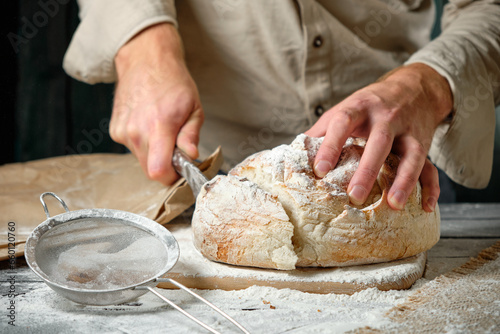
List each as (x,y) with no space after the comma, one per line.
(463,148)
(104,28)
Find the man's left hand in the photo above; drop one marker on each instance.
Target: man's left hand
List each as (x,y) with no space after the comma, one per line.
(399,112)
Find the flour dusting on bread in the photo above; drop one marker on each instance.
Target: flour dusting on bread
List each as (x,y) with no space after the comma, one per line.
(272,211)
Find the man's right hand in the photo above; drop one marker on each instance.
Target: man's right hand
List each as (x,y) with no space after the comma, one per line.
(157,105)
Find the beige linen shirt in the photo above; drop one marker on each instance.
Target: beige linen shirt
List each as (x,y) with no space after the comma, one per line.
(267,69)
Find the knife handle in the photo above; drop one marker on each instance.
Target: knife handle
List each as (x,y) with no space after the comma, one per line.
(185,167)
(179,159)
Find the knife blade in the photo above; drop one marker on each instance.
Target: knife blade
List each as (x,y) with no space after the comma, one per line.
(186,168)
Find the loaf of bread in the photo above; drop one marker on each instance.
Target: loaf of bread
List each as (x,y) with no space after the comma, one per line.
(271,211)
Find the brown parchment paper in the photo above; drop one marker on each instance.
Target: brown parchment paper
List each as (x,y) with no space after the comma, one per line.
(112,181)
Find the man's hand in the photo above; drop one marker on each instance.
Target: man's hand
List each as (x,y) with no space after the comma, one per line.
(400,112)
(156,104)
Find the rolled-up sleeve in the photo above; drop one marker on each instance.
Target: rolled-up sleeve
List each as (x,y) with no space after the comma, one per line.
(105,26)
(467,54)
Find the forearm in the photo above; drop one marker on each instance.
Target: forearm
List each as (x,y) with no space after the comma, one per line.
(158,43)
(435,87)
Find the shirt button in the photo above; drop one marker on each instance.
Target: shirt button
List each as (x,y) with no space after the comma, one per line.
(319,110)
(318,41)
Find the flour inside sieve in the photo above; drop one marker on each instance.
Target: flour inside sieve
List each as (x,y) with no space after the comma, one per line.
(100,254)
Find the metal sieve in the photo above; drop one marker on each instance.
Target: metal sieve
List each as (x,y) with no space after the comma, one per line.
(105,257)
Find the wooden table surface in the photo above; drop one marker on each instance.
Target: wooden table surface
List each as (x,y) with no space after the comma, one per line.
(466,229)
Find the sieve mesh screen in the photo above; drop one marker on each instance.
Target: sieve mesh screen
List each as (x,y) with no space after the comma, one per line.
(100,254)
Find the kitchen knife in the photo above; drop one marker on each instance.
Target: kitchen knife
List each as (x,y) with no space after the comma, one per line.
(185,167)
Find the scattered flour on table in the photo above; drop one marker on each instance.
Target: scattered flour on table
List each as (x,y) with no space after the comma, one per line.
(259,309)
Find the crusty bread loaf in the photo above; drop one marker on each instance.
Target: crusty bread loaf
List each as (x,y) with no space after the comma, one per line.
(271,211)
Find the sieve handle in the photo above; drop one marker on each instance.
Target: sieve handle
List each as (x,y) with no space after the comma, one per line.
(179,285)
(56,197)
(187,314)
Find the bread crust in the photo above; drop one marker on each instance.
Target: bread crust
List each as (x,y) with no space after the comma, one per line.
(276,191)
(237,222)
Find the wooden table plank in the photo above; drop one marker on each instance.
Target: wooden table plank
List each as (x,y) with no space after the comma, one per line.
(480,211)
(470,220)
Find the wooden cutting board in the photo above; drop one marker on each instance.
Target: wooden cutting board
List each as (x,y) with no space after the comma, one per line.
(195,271)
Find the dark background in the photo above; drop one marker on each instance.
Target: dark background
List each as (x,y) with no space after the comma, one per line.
(46,113)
